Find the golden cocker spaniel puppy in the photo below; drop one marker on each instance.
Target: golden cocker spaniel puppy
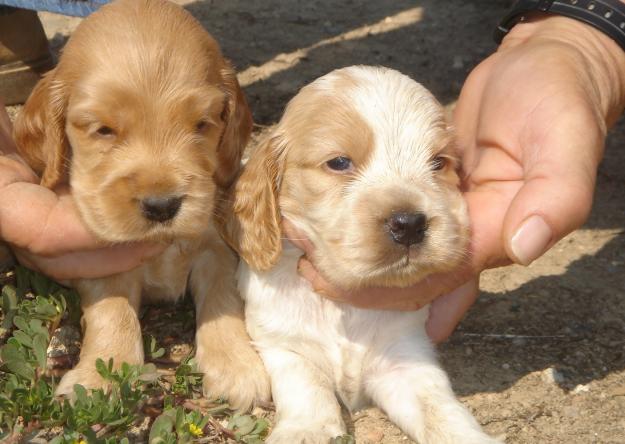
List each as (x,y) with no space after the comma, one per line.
(362,163)
(146,121)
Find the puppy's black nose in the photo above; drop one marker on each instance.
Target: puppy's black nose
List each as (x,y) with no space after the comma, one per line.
(407,228)
(160,209)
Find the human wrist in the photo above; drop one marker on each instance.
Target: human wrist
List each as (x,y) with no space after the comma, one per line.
(599,60)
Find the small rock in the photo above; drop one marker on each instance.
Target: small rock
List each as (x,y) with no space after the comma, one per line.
(552,376)
(65,341)
(139,431)
(581,388)
(519,341)
(373,436)
(458,63)
(570,412)
(505,366)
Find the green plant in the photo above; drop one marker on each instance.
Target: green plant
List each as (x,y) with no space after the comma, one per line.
(187,380)
(30,311)
(248,429)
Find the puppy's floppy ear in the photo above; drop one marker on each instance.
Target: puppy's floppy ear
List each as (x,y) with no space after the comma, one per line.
(252,224)
(236,134)
(39,132)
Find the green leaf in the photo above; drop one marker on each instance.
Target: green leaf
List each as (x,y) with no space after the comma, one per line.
(261,426)
(21,368)
(81,394)
(242,425)
(163,425)
(343,439)
(36,326)
(40,283)
(40,347)
(102,368)
(22,279)
(9,305)
(20,323)
(45,309)
(23,338)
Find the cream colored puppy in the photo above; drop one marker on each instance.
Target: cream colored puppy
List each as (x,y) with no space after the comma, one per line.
(362,163)
(144,118)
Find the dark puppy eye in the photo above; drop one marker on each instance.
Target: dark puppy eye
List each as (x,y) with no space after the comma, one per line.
(105,131)
(340,163)
(201,126)
(438,163)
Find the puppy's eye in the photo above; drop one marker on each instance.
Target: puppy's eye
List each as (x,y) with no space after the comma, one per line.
(105,131)
(201,126)
(438,163)
(340,163)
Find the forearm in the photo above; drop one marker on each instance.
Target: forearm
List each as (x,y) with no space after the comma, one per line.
(600,59)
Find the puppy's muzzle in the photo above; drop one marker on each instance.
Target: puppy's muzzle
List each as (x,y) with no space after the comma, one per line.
(407,228)
(161,208)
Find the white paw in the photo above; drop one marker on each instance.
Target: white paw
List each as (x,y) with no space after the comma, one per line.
(451,434)
(304,434)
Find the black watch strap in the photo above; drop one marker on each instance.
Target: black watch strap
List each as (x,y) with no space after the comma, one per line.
(607,16)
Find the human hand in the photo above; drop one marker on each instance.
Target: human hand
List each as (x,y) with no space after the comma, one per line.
(44,229)
(531,123)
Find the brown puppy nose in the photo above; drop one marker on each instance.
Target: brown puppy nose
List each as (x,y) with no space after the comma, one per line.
(407,228)
(160,208)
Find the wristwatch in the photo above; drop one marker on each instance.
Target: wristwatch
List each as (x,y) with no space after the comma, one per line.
(607,16)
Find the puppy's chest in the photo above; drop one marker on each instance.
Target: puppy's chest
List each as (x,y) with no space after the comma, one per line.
(166,277)
(341,341)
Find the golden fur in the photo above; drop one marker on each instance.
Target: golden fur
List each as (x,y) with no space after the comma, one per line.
(142,104)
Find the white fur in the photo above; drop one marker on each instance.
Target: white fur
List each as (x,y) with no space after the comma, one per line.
(320,353)
(316,350)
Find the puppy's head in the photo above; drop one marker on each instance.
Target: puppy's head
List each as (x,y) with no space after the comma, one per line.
(362,163)
(144,118)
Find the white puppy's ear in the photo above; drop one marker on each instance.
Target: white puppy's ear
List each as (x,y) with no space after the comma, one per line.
(252,224)
(39,131)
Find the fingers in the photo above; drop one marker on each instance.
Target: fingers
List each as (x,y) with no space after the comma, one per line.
(37,219)
(448,310)
(91,264)
(297,237)
(13,169)
(386,298)
(557,194)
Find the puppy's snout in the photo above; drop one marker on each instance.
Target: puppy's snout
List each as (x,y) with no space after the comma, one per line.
(407,228)
(161,208)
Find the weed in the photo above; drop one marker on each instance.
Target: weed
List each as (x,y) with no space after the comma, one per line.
(30,311)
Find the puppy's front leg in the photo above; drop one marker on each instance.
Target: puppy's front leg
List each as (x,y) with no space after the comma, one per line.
(111,328)
(307,410)
(409,385)
(231,367)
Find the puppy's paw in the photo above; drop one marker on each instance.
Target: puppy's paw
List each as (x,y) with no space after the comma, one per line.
(460,435)
(304,434)
(89,378)
(237,374)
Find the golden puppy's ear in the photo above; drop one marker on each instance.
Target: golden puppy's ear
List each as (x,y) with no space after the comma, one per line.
(252,223)
(39,132)
(236,134)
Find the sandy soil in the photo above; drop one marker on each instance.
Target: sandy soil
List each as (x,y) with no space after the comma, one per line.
(541,356)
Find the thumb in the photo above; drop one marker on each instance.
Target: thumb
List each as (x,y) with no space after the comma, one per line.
(555,199)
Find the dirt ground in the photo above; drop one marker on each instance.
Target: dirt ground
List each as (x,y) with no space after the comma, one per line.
(541,356)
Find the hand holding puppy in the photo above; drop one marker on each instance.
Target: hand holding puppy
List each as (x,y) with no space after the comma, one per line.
(44,228)
(531,121)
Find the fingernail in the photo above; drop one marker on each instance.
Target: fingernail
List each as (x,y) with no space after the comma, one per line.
(531,240)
